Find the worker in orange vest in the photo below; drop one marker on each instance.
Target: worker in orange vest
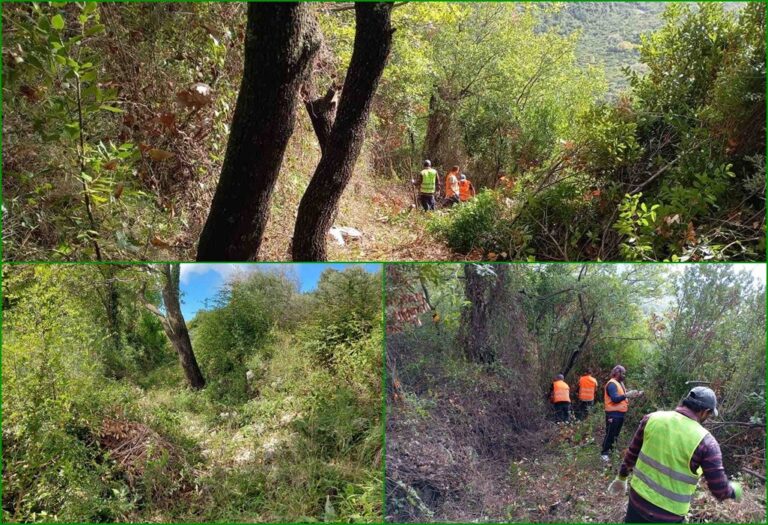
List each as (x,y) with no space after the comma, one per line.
(616,399)
(466,190)
(560,397)
(586,389)
(452,187)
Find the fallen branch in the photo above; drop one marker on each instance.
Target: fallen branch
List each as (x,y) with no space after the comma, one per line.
(738,424)
(756,474)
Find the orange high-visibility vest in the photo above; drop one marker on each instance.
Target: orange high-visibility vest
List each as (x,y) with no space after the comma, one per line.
(561,392)
(610,406)
(587,388)
(464,190)
(451,188)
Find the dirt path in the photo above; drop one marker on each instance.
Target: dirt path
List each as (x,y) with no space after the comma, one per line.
(383,211)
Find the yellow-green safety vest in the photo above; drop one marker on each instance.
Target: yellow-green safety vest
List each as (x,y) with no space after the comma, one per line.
(428,178)
(662,473)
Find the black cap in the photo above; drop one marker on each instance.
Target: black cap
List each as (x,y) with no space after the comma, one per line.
(704,398)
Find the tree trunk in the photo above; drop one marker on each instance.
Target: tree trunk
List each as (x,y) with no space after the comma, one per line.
(442,143)
(587,319)
(176,328)
(280,43)
(373,40)
(485,294)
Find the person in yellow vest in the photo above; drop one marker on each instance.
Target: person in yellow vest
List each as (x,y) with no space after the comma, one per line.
(669,452)
(466,189)
(586,390)
(452,187)
(616,399)
(560,397)
(429,185)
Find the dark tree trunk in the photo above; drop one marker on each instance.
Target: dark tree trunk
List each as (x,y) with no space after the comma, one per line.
(587,319)
(281,40)
(176,328)
(486,296)
(373,40)
(442,143)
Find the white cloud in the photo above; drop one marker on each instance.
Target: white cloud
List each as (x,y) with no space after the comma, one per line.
(223,269)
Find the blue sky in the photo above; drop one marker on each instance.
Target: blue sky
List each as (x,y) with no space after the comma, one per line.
(201,282)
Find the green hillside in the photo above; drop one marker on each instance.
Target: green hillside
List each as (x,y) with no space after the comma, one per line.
(610,33)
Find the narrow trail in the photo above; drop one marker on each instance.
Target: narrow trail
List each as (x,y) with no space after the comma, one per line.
(383,211)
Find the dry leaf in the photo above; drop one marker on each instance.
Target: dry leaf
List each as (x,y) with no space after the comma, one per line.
(159,243)
(168,120)
(690,234)
(119,190)
(159,154)
(112,164)
(196,96)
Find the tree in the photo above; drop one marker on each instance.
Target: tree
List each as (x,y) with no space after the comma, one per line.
(281,41)
(485,291)
(318,207)
(173,322)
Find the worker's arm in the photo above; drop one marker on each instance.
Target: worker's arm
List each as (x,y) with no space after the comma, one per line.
(630,458)
(472,188)
(417,180)
(613,393)
(710,459)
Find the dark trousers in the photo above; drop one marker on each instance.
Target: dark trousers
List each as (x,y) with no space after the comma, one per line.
(583,408)
(427,201)
(634,516)
(561,411)
(613,426)
(450,201)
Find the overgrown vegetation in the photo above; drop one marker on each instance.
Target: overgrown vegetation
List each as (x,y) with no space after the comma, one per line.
(672,170)
(288,427)
(471,352)
(113,151)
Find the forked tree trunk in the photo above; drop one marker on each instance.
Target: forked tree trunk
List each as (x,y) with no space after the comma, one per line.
(373,40)
(322,114)
(281,41)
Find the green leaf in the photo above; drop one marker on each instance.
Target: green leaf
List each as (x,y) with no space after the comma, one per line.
(57,22)
(113,109)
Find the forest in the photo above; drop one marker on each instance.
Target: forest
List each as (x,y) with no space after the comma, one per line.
(624,132)
(265,406)
(471,353)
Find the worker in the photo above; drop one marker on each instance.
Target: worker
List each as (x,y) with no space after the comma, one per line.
(586,389)
(428,184)
(616,404)
(560,397)
(466,189)
(452,187)
(669,453)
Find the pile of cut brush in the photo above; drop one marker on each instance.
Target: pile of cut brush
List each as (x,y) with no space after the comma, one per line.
(145,458)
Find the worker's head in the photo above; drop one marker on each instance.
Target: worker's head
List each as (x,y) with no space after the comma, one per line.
(701,400)
(427,163)
(559,377)
(619,372)
(463,177)
(455,169)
